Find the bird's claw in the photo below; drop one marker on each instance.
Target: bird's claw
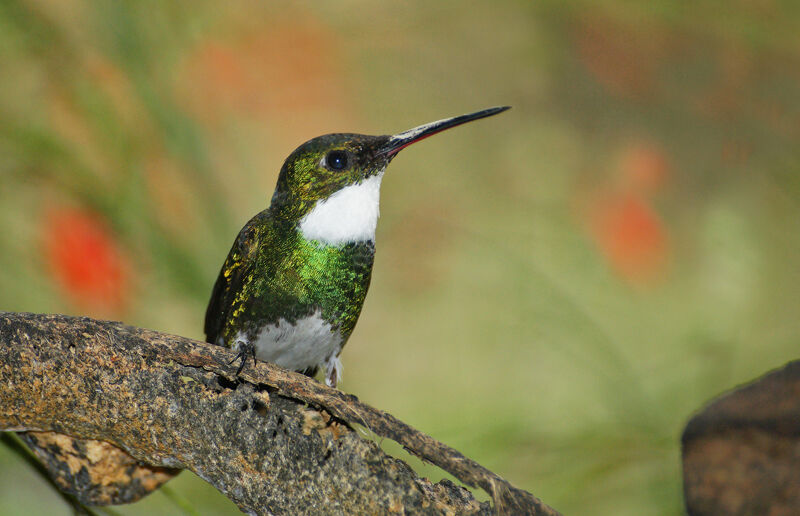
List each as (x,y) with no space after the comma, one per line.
(245,350)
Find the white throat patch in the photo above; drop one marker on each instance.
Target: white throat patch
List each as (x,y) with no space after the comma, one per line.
(349,215)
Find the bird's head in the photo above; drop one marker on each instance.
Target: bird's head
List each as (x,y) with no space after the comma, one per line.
(340,174)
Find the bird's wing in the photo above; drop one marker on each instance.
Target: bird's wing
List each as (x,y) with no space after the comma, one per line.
(229,282)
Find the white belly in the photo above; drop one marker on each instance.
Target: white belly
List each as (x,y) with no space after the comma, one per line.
(309,342)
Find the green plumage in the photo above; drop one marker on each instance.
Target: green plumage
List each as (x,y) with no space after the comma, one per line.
(272,272)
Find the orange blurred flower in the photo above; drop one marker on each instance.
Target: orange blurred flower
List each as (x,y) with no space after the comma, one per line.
(623,58)
(619,214)
(85,260)
(631,236)
(288,72)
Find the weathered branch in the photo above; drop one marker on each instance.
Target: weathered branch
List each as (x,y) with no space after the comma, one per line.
(172,402)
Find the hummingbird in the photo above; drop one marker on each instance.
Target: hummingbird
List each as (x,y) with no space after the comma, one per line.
(293,284)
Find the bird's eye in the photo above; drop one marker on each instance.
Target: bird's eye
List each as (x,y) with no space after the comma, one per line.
(336,160)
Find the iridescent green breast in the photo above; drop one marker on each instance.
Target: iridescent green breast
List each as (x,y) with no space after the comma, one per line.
(272,273)
(310,276)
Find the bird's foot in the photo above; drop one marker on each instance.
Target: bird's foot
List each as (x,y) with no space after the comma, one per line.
(333,371)
(245,349)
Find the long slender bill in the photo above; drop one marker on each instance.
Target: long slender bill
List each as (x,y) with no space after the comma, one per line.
(402,140)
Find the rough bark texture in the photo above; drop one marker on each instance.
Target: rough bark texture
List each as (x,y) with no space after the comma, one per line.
(95,472)
(741,454)
(271,440)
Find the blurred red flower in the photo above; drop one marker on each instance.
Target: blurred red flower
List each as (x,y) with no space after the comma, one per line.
(624,58)
(631,236)
(287,72)
(85,260)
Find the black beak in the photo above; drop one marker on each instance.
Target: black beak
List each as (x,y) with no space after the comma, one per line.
(402,140)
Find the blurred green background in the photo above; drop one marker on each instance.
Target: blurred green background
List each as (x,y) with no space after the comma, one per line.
(556,289)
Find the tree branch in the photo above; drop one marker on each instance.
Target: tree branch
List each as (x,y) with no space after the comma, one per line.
(172,402)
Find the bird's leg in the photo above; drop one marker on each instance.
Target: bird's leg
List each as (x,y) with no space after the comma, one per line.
(333,371)
(245,349)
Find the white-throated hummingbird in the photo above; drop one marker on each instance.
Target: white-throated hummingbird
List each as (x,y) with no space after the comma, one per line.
(292,287)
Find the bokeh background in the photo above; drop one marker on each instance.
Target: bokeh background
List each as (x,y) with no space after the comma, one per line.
(556,289)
